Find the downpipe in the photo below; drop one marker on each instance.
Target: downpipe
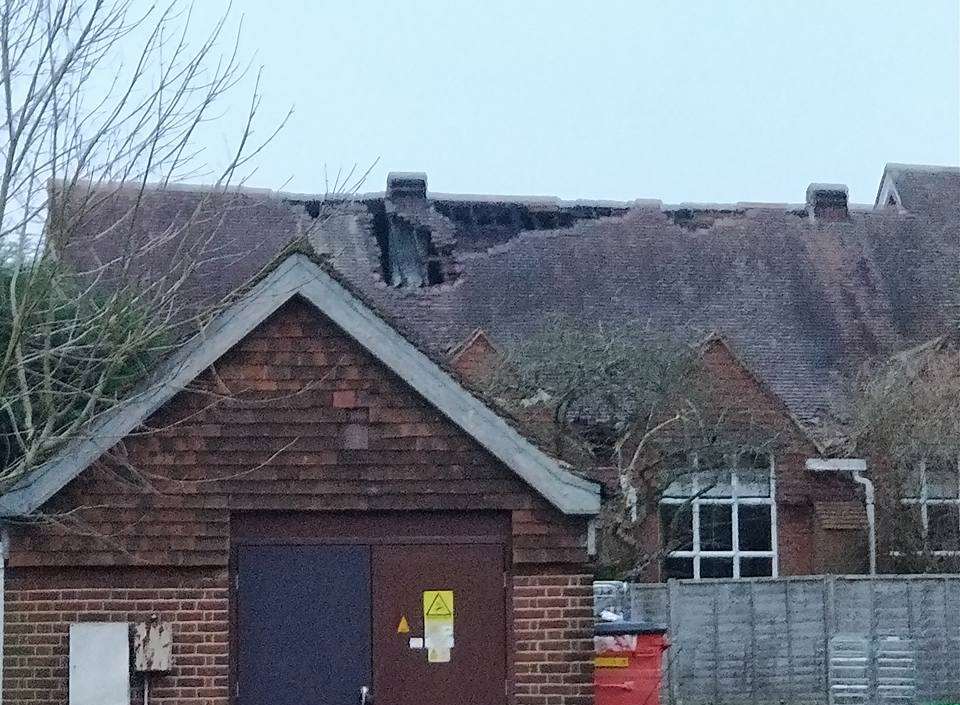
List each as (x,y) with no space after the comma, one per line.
(871,517)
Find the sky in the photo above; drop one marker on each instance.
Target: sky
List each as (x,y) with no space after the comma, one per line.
(685,101)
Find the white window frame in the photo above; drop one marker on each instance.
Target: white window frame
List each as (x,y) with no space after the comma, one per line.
(735,502)
(925,502)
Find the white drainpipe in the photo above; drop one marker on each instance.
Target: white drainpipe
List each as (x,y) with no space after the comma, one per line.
(856,467)
(871,518)
(4,554)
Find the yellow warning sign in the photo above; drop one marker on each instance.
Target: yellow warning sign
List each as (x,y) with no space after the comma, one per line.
(611,661)
(440,603)
(403,627)
(438,612)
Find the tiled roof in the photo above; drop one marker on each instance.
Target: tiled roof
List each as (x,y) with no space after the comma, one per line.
(923,189)
(802,303)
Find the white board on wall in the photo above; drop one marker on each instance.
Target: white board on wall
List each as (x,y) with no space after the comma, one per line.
(100,663)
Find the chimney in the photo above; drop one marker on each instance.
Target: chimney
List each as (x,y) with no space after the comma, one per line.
(827,202)
(406,184)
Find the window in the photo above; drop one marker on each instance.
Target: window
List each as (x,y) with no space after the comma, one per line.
(721,523)
(935,499)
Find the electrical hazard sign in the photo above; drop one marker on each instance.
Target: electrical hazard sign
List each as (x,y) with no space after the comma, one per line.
(438,615)
(438,603)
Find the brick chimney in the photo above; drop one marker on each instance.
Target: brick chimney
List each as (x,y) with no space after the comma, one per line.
(827,202)
(406,184)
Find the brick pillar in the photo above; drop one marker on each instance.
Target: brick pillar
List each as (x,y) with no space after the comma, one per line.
(553,633)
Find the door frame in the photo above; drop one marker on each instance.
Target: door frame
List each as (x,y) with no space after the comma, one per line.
(298,528)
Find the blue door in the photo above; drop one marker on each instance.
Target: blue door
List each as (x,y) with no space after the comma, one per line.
(302,624)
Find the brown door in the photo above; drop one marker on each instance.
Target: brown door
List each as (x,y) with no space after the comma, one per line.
(475,671)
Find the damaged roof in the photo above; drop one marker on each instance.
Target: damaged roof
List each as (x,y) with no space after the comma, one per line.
(803,294)
(295,274)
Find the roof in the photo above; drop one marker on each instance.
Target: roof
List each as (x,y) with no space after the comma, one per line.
(920,188)
(298,275)
(802,303)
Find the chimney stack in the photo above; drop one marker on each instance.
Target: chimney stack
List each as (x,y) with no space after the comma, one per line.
(827,202)
(406,184)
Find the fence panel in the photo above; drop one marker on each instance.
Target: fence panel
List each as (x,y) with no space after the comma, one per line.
(772,640)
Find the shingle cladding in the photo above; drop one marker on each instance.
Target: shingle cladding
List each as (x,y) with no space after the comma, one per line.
(801,303)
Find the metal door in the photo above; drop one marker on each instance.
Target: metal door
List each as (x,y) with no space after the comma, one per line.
(303,624)
(476,671)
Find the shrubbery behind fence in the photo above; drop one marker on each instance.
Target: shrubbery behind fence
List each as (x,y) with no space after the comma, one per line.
(803,641)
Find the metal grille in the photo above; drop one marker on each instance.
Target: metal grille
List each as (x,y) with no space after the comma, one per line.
(896,670)
(849,669)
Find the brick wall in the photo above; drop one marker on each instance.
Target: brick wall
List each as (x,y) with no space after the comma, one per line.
(798,490)
(552,631)
(553,637)
(41,605)
(296,417)
(297,420)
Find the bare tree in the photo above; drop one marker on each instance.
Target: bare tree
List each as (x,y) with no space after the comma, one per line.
(907,420)
(644,411)
(103,107)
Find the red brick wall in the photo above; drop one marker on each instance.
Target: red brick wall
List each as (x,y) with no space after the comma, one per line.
(297,417)
(551,629)
(797,488)
(41,605)
(553,636)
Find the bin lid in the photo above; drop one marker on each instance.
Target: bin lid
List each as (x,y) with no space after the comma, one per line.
(620,628)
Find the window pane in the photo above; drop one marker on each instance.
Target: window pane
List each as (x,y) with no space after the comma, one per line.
(715,483)
(754,461)
(716,567)
(908,532)
(755,528)
(943,527)
(682,487)
(677,568)
(756,567)
(912,485)
(676,527)
(716,531)
(753,483)
(942,481)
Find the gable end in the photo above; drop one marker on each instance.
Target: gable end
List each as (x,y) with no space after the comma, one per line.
(299,276)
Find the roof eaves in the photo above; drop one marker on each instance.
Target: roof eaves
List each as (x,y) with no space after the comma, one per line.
(299,274)
(717,338)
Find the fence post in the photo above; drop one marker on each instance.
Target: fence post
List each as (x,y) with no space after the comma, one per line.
(829,607)
(753,643)
(673,608)
(873,638)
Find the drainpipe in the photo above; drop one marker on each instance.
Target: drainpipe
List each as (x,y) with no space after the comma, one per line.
(856,467)
(4,554)
(871,517)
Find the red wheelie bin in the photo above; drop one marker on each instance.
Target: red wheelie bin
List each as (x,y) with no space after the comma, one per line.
(628,663)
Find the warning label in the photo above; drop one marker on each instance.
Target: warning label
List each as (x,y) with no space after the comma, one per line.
(438,611)
(438,606)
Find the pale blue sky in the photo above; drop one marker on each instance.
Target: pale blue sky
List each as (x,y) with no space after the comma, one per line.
(684,101)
